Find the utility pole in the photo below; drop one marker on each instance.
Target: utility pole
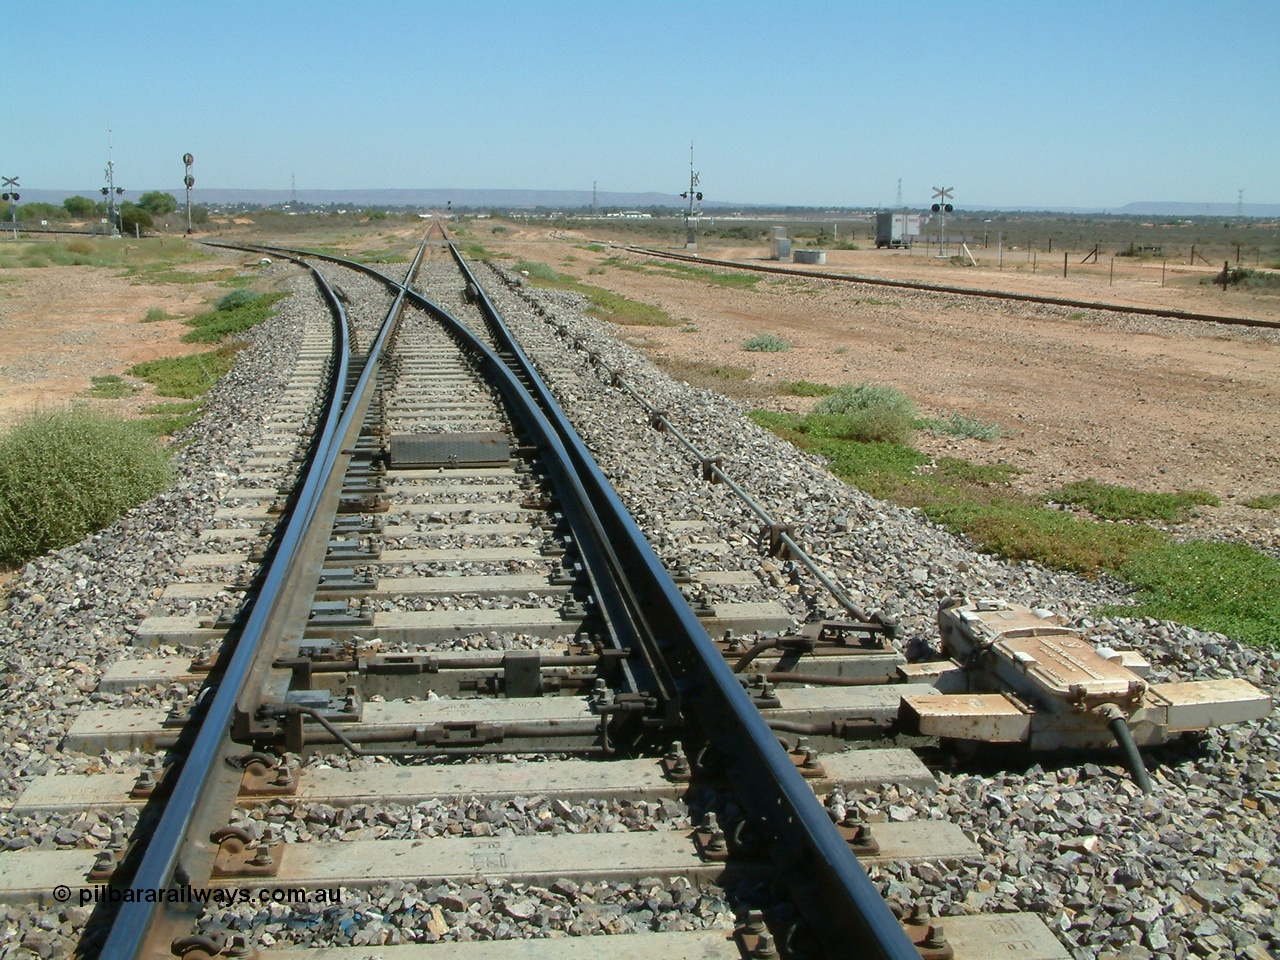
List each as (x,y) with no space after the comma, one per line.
(692,195)
(595,205)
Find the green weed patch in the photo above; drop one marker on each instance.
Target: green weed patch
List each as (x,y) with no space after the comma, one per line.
(110,387)
(1109,502)
(1229,588)
(65,473)
(235,313)
(604,303)
(187,377)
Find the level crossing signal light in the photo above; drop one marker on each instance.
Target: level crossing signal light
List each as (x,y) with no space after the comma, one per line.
(944,206)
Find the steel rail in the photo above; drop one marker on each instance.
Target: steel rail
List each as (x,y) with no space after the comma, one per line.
(714,472)
(160,865)
(963,291)
(833,894)
(844,911)
(607,577)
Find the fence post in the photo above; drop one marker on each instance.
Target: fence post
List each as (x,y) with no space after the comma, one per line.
(1226,268)
(1162,266)
(1064,263)
(1111,282)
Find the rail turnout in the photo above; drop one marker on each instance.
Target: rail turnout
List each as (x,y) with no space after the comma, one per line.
(431,598)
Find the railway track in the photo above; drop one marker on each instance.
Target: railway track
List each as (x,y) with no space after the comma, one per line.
(466,546)
(964,291)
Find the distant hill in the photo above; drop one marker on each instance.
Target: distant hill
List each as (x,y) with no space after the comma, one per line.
(1173,208)
(440,198)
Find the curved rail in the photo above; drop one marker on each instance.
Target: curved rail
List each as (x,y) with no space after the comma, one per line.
(679,674)
(845,912)
(159,866)
(965,291)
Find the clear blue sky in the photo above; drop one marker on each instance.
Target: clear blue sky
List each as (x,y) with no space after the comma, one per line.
(1093,103)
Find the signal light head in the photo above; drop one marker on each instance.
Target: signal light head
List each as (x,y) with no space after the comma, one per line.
(935,208)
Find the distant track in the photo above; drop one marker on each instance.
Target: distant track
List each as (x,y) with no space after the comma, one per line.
(967,291)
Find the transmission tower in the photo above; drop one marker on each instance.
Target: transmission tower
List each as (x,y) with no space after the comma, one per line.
(595,205)
(1240,204)
(898,202)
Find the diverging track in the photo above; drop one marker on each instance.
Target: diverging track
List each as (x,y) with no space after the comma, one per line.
(447,691)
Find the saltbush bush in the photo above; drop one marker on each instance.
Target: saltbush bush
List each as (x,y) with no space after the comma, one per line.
(866,412)
(68,472)
(766,343)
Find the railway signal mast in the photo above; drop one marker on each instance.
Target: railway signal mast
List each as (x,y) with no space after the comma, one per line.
(693,194)
(941,195)
(111,191)
(11,195)
(189,181)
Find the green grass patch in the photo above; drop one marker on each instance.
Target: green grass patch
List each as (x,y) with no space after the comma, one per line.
(1228,588)
(715,278)
(1267,501)
(110,387)
(1224,587)
(805,388)
(65,473)
(474,251)
(728,372)
(166,419)
(619,309)
(541,271)
(187,377)
(384,256)
(1110,502)
(963,427)
(235,313)
(591,247)
(605,304)
(156,314)
(624,265)
(161,274)
(766,343)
